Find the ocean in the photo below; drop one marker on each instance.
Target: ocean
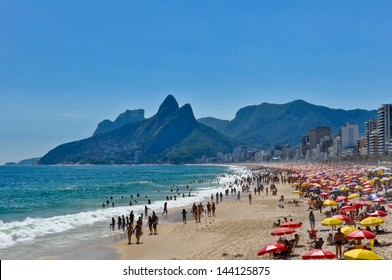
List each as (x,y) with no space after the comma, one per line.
(50,211)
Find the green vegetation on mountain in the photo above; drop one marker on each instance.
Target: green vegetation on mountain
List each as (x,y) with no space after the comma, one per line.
(129,116)
(261,125)
(171,136)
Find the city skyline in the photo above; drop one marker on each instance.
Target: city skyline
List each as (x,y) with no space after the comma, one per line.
(67,66)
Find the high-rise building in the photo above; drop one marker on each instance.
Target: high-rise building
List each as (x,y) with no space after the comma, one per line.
(371,136)
(384,128)
(318,133)
(349,135)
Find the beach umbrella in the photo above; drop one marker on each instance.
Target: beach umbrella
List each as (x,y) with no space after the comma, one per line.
(347,230)
(297,192)
(331,222)
(361,234)
(360,204)
(344,218)
(341,198)
(374,196)
(358,188)
(330,202)
(271,248)
(318,254)
(346,209)
(353,195)
(377,213)
(282,231)
(371,221)
(379,200)
(361,254)
(344,189)
(295,184)
(389,205)
(324,194)
(366,190)
(334,191)
(314,189)
(291,224)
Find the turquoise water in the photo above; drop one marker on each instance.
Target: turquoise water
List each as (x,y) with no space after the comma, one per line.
(49,210)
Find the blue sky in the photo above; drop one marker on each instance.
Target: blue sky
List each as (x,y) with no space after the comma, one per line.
(67,65)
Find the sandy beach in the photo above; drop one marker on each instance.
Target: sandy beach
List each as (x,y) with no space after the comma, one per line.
(238,231)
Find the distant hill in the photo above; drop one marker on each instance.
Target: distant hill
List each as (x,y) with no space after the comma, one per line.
(263,124)
(129,116)
(30,161)
(172,135)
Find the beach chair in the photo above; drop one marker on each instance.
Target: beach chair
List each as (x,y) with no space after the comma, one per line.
(371,243)
(312,234)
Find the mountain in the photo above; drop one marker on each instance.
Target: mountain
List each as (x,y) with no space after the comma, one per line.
(30,161)
(263,124)
(172,135)
(129,116)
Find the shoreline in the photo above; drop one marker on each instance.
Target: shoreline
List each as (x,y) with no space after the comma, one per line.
(238,231)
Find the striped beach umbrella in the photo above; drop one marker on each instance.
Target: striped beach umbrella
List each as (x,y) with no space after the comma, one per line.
(361,234)
(318,254)
(271,248)
(342,217)
(377,213)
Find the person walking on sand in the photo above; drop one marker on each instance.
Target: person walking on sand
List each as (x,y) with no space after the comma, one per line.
(213,208)
(338,239)
(312,220)
(155,221)
(250,198)
(129,232)
(138,232)
(164,209)
(184,212)
(150,224)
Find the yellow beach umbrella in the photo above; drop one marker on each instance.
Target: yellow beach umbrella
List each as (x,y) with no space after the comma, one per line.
(347,230)
(295,184)
(371,221)
(361,254)
(353,195)
(297,192)
(331,222)
(358,188)
(329,202)
(344,189)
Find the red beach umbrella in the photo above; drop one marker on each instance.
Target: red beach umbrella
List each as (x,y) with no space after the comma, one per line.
(360,204)
(346,209)
(389,205)
(361,234)
(271,248)
(291,225)
(282,231)
(318,254)
(377,213)
(341,198)
(380,200)
(344,218)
